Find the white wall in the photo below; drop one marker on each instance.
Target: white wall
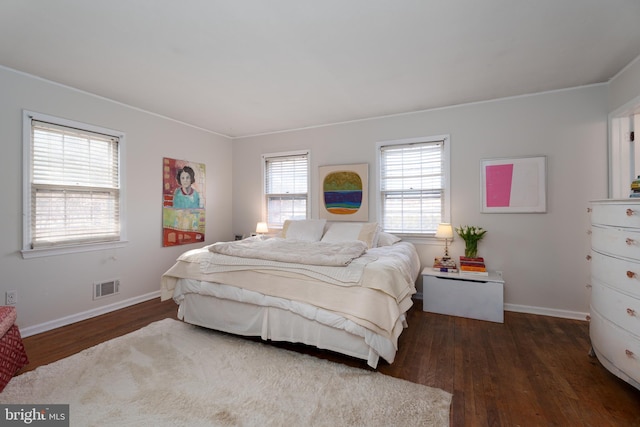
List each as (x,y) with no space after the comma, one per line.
(59,289)
(542,255)
(624,102)
(625,87)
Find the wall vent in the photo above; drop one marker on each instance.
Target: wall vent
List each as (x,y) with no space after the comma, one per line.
(104,289)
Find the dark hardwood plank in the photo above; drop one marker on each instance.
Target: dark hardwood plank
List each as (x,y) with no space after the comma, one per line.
(530,371)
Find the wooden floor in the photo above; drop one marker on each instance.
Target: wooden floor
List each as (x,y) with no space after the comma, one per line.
(529,371)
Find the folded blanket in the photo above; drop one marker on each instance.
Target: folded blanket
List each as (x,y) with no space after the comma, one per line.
(344,275)
(293,251)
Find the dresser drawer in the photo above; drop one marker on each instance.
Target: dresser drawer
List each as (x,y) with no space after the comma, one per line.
(619,308)
(618,273)
(617,346)
(616,241)
(622,214)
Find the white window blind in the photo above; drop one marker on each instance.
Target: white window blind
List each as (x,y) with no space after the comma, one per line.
(286,187)
(75,186)
(412,187)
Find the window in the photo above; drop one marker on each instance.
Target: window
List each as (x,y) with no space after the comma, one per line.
(414,193)
(72,193)
(286,187)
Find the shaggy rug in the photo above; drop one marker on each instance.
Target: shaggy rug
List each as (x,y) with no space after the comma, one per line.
(174,374)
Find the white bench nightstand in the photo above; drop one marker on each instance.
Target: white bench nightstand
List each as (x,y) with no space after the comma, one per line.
(455,294)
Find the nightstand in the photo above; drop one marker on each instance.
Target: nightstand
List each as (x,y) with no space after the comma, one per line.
(464,295)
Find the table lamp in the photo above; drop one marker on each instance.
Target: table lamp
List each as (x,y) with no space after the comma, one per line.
(262,228)
(445,231)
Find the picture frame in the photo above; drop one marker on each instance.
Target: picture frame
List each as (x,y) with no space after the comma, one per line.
(514,185)
(344,192)
(183,202)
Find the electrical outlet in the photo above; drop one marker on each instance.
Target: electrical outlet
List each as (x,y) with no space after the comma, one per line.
(12,297)
(499,273)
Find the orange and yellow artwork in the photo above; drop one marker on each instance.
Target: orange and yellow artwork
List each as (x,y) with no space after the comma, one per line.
(343,192)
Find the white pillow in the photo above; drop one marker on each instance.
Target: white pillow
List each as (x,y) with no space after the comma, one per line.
(349,231)
(387,239)
(309,230)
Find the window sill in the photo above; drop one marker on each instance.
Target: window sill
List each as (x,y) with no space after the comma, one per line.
(71,249)
(421,240)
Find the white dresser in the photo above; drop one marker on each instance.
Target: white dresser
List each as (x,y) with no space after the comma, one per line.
(615,281)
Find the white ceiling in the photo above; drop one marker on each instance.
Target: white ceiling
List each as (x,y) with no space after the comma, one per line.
(247,67)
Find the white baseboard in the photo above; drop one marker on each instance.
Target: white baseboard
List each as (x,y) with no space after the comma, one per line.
(53,324)
(541,311)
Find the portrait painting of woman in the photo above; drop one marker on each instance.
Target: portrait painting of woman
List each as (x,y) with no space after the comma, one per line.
(183,209)
(186,195)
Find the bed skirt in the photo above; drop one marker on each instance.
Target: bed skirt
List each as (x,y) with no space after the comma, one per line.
(280,324)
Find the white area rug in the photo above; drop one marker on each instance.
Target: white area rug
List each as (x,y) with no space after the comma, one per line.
(174,374)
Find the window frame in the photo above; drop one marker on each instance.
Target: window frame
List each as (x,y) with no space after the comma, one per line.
(27,233)
(264,158)
(446,179)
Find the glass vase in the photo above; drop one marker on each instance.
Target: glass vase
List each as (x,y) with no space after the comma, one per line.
(471,249)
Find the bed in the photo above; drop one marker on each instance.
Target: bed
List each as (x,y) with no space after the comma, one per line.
(343,287)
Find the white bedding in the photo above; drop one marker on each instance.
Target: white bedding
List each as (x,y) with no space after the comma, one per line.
(374,303)
(343,275)
(265,321)
(337,254)
(391,269)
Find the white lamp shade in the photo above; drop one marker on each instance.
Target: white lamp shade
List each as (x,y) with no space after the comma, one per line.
(262,227)
(444,231)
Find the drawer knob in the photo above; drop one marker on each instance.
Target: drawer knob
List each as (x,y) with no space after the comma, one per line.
(630,212)
(631,312)
(629,353)
(630,241)
(588,257)
(631,274)
(589,210)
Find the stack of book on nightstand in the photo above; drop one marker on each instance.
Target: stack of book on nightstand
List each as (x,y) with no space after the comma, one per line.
(445,265)
(473,266)
(635,187)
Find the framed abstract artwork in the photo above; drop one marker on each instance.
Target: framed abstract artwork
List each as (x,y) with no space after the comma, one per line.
(183,202)
(344,192)
(514,185)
